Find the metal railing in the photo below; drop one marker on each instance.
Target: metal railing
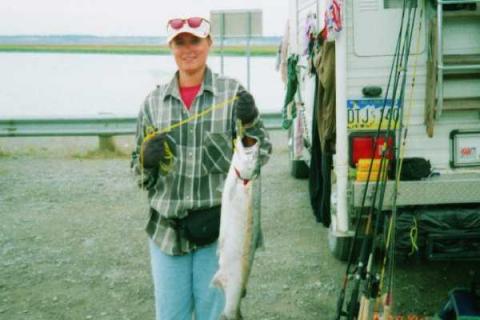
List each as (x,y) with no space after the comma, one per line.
(100,126)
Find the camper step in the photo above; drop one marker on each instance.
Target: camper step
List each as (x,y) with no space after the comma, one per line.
(460,63)
(461,14)
(461,103)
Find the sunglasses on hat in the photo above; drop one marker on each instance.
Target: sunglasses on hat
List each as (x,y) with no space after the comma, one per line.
(193,22)
(198,26)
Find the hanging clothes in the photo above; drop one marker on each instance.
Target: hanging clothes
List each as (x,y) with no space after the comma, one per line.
(289,111)
(333,20)
(284,54)
(323,133)
(309,32)
(325,65)
(319,180)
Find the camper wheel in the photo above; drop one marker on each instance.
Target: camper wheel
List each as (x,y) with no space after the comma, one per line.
(298,168)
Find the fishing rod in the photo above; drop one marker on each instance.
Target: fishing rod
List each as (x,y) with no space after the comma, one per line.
(372,283)
(341,299)
(370,279)
(401,143)
(360,272)
(374,279)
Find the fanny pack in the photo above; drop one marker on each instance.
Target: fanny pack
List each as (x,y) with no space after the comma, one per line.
(201,226)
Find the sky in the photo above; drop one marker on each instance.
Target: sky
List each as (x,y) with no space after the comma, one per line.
(122,17)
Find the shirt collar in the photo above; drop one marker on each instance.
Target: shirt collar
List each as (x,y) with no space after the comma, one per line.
(208,81)
(207,85)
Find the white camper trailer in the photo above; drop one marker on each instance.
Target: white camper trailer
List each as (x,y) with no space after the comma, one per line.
(441,112)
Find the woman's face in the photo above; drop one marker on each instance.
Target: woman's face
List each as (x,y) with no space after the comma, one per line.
(190,52)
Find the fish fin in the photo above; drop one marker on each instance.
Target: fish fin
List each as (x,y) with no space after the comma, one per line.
(219,280)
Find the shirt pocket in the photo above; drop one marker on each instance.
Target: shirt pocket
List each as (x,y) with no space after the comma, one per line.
(217,153)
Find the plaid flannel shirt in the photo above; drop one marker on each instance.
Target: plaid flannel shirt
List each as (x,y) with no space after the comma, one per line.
(203,151)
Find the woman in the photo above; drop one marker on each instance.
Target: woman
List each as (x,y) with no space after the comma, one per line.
(184,147)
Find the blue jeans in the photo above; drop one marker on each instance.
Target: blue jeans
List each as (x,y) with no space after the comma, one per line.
(182,284)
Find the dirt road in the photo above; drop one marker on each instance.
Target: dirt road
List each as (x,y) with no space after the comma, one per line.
(72,244)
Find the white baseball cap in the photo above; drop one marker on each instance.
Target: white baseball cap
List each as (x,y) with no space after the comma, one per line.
(198,26)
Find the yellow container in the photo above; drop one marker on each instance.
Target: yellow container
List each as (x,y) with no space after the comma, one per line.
(364,164)
(363,175)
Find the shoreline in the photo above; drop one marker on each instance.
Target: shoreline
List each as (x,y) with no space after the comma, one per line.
(267,51)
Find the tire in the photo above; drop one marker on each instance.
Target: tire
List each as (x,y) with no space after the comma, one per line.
(299,169)
(339,246)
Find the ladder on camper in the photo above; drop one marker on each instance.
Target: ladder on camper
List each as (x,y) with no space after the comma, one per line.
(455,65)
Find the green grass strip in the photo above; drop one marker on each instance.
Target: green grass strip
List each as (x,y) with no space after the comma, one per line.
(131,49)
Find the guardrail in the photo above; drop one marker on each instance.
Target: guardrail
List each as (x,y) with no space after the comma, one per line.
(43,127)
(103,127)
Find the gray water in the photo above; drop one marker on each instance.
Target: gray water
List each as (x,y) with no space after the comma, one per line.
(73,85)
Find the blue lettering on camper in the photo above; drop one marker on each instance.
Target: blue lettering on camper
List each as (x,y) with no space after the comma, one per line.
(365,114)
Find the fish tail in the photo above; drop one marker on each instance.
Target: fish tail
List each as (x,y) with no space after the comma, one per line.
(236,317)
(232,304)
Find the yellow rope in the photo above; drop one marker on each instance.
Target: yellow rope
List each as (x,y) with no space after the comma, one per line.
(151,132)
(414,236)
(168,155)
(199,115)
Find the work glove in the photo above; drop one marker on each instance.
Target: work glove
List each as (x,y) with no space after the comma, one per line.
(245,108)
(158,152)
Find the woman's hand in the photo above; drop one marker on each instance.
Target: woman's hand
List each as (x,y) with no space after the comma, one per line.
(155,151)
(245,108)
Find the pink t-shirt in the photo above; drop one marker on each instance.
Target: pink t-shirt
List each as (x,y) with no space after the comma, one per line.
(188,94)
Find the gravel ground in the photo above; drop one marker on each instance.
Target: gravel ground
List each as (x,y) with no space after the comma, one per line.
(72,244)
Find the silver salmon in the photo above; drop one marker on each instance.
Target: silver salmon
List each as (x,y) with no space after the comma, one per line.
(240,230)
